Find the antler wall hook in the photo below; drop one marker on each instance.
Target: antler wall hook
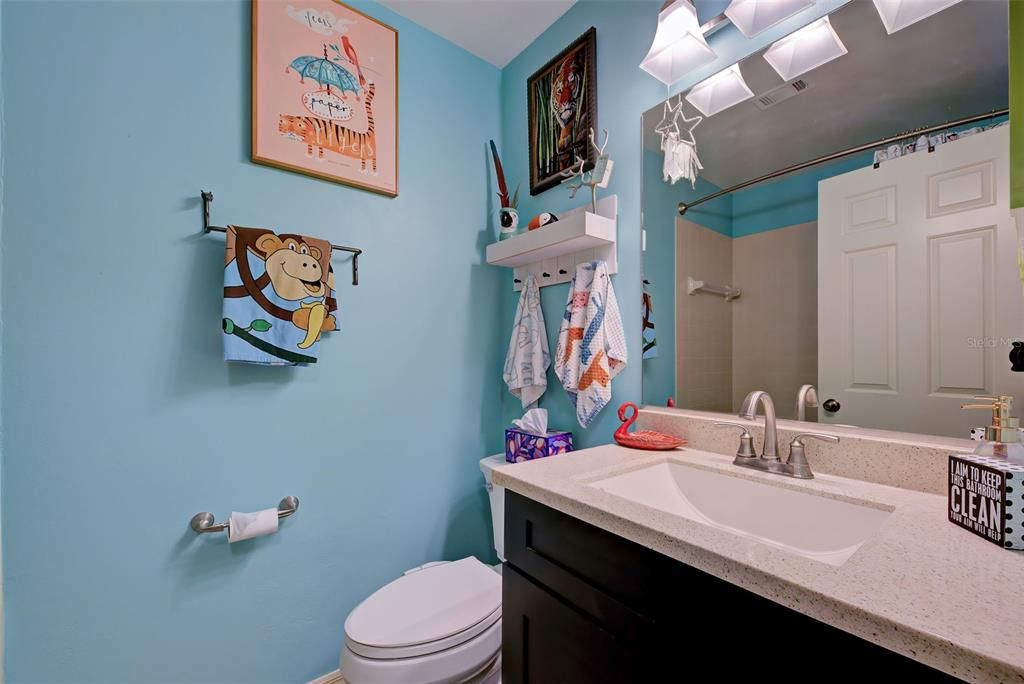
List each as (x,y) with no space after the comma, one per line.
(603,165)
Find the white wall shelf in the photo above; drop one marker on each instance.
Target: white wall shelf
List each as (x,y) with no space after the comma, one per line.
(552,252)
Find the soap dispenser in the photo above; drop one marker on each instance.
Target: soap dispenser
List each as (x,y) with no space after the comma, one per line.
(1002,437)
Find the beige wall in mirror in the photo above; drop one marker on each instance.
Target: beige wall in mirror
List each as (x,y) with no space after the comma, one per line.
(886,278)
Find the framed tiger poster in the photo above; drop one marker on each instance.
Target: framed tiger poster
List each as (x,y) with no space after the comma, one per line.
(562,98)
(325,93)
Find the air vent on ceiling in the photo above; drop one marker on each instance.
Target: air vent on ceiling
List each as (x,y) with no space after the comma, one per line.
(782,93)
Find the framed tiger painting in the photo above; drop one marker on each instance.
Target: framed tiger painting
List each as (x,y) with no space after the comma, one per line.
(325,93)
(562,98)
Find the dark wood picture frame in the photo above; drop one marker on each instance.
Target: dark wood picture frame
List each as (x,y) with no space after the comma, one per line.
(553,146)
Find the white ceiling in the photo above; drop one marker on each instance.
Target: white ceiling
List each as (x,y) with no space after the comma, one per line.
(951,65)
(494,30)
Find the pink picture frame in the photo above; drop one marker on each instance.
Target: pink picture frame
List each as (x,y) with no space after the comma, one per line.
(325,93)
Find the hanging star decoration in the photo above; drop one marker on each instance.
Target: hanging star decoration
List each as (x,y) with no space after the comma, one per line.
(678,144)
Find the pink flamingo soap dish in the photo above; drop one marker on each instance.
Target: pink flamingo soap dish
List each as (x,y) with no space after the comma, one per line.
(644,439)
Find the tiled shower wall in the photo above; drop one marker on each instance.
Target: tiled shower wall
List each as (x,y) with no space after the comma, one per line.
(703,322)
(775,322)
(768,338)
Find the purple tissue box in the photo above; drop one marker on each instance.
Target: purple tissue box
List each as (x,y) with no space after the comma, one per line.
(522,446)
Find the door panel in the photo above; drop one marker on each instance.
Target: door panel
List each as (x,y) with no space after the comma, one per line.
(960,308)
(919,294)
(871,316)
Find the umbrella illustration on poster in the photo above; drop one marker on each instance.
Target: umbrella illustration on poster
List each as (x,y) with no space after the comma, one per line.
(328,73)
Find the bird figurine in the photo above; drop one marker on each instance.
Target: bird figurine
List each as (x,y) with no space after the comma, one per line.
(644,439)
(541,220)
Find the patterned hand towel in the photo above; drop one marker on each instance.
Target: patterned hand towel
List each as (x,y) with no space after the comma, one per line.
(528,359)
(591,343)
(278,297)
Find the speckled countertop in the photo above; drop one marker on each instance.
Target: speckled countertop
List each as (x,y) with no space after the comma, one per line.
(920,586)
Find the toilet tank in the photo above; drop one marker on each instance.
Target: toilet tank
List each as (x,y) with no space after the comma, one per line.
(497,496)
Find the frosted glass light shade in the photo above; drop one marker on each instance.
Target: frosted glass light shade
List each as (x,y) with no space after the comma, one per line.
(752,17)
(679,46)
(806,49)
(899,14)
(719,92)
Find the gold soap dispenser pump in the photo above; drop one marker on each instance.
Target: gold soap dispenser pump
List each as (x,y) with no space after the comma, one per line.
(1002,437)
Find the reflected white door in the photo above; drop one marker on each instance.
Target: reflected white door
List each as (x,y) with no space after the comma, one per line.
(918,290)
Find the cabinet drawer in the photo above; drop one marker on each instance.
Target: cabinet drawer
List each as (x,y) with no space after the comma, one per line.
(607,576)
(546,640)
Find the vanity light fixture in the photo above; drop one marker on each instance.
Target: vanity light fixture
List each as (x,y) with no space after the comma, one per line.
(719,92)
(899,14)
(679,46)
(806,49)
(752,17)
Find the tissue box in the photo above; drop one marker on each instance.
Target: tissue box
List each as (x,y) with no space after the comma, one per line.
(986,496)
(522,446)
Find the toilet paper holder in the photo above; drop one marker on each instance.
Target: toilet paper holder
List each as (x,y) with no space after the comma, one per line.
(205,522)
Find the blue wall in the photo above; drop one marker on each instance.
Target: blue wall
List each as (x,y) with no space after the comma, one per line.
(624,92)
(660,209)
(123,421)
(789,201)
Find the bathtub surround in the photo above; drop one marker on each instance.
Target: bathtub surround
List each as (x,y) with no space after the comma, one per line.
(775,348)
(704,324)
(727,347)
(121,415)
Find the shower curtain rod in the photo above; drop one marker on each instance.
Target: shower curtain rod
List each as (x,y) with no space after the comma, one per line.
(683,206)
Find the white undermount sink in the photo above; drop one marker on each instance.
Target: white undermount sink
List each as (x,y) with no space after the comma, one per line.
(816,527)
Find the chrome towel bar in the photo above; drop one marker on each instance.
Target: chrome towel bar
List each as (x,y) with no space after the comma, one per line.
(204,522)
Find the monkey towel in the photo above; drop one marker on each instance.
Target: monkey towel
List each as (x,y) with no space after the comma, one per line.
(278,297)
(527,362)
(591,343)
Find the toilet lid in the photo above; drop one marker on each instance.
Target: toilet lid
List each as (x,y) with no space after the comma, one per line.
(427,606)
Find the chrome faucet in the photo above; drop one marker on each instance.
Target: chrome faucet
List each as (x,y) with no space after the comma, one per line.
(806,398)
(770,450)
(796,464)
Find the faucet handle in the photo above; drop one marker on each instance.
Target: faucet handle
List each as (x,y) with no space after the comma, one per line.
(746,448)
(797,461)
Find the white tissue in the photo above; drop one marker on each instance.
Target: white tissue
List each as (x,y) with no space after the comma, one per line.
(533,422)
(249,525)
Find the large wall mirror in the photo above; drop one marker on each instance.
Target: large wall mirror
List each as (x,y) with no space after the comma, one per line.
(885,278)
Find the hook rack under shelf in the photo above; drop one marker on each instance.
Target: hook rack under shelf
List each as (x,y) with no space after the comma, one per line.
(207,228)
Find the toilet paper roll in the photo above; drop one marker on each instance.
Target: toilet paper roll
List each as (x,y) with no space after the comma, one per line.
(248,525)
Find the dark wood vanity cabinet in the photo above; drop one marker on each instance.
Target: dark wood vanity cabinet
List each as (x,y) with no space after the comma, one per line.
(583,605)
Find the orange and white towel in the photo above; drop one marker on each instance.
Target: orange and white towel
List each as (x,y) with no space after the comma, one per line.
(591,342)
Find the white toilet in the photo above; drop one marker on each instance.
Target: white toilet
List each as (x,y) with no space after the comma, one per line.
(439,623)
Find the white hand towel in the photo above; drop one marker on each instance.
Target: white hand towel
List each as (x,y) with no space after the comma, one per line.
(528,359)
(591,342)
